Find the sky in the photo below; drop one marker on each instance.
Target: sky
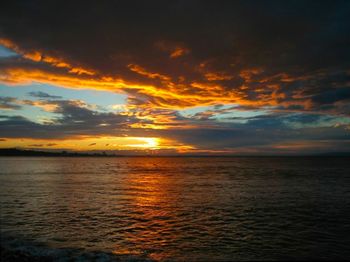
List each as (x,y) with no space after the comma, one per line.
(176,77)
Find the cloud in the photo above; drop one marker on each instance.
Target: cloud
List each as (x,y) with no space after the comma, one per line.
(258,134)
(289,62)
(244,56)
(74,119)
(8,103)
(332,96)
(40,94)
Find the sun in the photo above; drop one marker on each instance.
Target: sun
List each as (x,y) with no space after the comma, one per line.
(146,142)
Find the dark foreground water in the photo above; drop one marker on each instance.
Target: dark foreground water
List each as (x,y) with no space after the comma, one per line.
(182,209)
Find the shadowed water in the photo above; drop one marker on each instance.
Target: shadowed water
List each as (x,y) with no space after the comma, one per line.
(179,208)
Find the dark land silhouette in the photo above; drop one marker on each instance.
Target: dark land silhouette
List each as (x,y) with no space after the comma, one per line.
(22,152)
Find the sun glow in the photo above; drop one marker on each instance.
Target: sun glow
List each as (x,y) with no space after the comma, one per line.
(91,143)
(147,142)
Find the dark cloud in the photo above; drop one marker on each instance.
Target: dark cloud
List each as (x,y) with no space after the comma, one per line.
(43,95)
(74,120)
(290,58)
(217,39)
(331,96)
(246,136)
(8,103)
(260,133)
(42,145)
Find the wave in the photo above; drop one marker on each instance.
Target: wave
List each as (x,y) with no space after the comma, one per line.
(14,249)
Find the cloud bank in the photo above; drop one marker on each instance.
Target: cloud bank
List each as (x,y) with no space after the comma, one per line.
(269,76)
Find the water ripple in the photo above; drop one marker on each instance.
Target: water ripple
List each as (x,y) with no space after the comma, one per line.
(197,209)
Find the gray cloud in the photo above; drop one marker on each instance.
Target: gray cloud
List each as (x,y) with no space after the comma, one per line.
(292,56)
(43,95)
(9,103)
(74,120)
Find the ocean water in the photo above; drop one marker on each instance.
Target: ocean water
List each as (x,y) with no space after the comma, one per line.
(176,209)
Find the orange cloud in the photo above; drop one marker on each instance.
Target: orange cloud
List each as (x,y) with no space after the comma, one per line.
(217,76)
(41,104)
(166,93)
(38,56)
(249,74)
(175,49)
(179,51)
(140,70)
(170,95)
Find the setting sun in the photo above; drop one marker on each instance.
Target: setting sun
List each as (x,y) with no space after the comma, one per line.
(147,142)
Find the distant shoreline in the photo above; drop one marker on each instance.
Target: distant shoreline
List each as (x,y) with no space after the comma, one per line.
(14,152)
(30,153)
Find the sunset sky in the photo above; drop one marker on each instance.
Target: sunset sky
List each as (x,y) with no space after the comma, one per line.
(176,77)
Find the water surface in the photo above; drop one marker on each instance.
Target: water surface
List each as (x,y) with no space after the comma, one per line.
(179,208)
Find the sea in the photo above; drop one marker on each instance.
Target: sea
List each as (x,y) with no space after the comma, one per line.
(174,208)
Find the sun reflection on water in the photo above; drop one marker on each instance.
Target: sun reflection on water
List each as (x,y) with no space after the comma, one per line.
(151,208)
